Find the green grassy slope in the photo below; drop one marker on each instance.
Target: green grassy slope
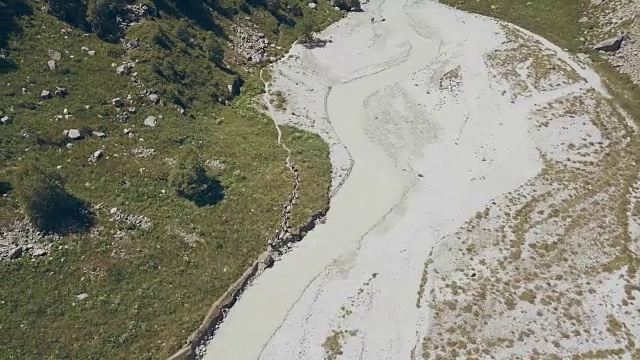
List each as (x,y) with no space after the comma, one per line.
(148,288)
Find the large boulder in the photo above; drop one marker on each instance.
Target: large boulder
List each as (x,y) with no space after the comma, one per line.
(54,55)
(74,134)
(97,155)
(123,69)
(61,92)
(151,121)
(154,98)
(45,95)
(610,45)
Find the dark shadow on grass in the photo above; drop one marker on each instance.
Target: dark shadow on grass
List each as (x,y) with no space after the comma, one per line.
(213,194)
(73,216)
(7,65)
(195,10)
(5,188)
(10,13)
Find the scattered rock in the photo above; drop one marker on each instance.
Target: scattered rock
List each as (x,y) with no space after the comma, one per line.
(154,98)
(39,252)
(142,152)
(99,134)
(610,45)
(96,156)
(123,69)
(15,253)
(250,44)
(132,44)
(5,120)
(150,121)
(117,102)
(45,95)
(91,52)
(312,5)
(61,92)
(84,48)
(122,118)
(74,134)
(54,55)
(51,64)
(215,164)
(20,238)
(132,221)
(131,110)
(82,296)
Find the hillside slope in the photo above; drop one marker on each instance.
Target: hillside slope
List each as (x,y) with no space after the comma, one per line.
(111,100)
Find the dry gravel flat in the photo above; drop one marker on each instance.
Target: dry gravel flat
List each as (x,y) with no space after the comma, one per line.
(491,210)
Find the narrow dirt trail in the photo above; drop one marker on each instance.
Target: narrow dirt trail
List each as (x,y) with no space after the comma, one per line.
(267,102)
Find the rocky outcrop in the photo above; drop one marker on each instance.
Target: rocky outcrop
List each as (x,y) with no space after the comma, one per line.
(620,17)
(610,45)
(20,239)
(250,44)
(150,121)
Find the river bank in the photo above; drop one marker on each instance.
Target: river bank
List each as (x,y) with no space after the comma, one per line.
(454,123)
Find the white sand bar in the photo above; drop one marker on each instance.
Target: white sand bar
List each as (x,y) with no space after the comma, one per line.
(438,127)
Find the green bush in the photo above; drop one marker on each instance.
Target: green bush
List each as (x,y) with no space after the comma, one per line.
(47,203)
(71,11)
(215,51)
(190,181)
(189,177)
(101,14)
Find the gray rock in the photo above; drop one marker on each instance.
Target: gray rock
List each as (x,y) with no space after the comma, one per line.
(61,92)
(51,64)
(123,69)
(15,253)
(82,296)
(131,110)
(150,121)
(99,134)
(5,120)
(610,45)
(45,95)
(39,252)
(84,48)
(91,53)
(583,19)
(96,156)
(312,5)
(154,98)
(74,134)
(132,44)
(54,55)
(117,102)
